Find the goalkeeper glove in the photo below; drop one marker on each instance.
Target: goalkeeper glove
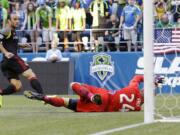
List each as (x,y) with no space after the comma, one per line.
(159,80)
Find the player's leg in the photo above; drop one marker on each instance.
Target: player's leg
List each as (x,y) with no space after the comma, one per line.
(78,37)
(46,37)
(85,93)
(61,102)
(8,68)
(134,39)
(35,84)
(66,46)
(14,86)
(15,67)
(53,100)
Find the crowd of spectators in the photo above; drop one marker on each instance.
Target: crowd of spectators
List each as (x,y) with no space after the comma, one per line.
(115,24)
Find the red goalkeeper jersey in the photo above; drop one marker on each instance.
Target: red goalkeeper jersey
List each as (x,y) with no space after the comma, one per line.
(128,98)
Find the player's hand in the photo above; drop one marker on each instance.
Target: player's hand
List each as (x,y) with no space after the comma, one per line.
(9,55)
(25,46)
(159,80)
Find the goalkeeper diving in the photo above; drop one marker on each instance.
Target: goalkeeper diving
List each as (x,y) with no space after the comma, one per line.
(94,99)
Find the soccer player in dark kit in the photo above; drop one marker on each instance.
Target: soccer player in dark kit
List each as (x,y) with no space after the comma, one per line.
(12,65)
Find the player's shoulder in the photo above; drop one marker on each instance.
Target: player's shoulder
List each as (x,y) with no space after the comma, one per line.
(5,31)
(38,9)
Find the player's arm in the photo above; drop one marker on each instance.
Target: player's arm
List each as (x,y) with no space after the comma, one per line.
(138,17)
(25,21)
(4,17)
(5,52)
(57,20)
(121,19)
(84,19)
(3,35)
(137,79)
(91,8)
(50,18)
(37,18)
(24,45)
(50,22)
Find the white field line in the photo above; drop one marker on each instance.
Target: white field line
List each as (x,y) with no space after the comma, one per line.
(119,129)
(169,120)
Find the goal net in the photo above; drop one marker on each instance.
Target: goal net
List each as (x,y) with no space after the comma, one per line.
(166,62)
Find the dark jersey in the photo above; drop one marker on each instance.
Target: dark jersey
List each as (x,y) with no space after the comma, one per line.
(10,41)
(14,66)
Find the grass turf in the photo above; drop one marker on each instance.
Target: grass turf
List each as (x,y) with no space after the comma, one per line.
(20,116)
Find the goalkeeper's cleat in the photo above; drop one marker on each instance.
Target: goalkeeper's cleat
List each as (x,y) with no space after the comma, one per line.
(33,95)
(159,80)
(97,99)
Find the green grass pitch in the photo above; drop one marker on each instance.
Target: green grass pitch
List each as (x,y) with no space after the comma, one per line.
(20,116)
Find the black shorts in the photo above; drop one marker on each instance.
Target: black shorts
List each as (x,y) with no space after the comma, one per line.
(13,67)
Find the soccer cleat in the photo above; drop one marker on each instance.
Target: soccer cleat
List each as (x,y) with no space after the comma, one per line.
(33,95)
(97,99)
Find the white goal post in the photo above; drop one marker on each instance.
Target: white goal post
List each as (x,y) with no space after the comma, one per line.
(148,61)
(165,107)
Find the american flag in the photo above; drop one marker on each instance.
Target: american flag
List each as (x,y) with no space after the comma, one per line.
(167,40)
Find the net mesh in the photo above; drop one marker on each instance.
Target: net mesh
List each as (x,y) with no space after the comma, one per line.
(167,63)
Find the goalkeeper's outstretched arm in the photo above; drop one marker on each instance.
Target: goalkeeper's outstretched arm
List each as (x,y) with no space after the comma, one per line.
(137,79)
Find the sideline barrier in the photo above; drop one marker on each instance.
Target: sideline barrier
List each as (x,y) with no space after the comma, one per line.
(114,70)
(54,77)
